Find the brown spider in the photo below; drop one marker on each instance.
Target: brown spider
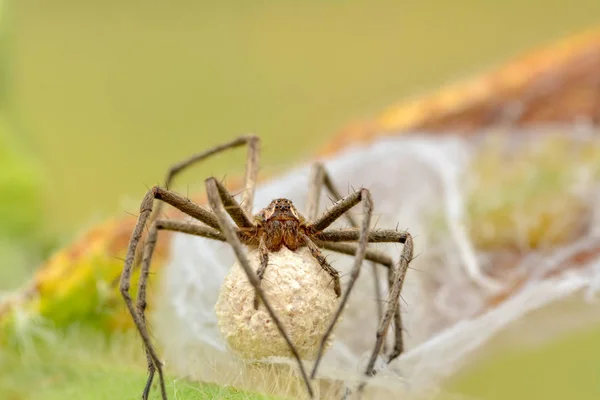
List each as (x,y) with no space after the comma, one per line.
(276,226)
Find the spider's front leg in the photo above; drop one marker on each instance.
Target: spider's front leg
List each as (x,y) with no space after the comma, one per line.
(191,209)
(149,246)
(252,164)
(148,213)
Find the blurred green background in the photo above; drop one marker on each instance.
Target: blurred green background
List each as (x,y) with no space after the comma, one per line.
(99,98)
(109,93)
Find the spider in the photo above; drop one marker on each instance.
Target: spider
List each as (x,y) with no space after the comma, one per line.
(278,225)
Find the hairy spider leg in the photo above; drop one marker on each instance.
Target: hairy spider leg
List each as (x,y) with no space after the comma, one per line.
(250,177)
(319,178)
(377,257)
(252,165)
(184,205)
(393,300)
(396,278)
(176,226)
(331,240)
(323,222)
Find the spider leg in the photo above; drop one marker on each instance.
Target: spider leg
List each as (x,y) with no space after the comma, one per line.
(330,240)
(252,163)
(264,261)
(146,207)
(315,182)
(318,255)
(353,234)
(335,212)
(395,281)
(176,226)
(319,177)
(391,305)
(373,255)
(364,196)
(382,258)
(239,217)
(233,208)
(149,245)
(216,203)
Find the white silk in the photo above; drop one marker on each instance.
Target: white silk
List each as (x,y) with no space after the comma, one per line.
(446,326)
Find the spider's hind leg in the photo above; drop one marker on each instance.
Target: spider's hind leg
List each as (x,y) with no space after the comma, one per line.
(396,277)
(383,259)
(331,240)
(320,178)
(323,222)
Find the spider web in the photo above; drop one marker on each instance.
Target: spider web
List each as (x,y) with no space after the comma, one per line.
(448,320)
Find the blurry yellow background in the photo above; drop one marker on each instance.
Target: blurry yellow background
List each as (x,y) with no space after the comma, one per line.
(108,94)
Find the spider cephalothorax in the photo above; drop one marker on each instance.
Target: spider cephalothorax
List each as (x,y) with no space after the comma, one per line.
(278,225)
